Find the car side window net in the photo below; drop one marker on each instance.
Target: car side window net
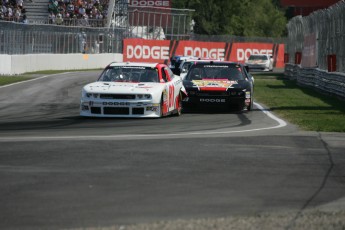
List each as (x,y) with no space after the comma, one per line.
(129,74)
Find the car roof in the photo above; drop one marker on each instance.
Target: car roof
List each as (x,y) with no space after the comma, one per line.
(212,62)
(198,60)
(140,64)
(259,55)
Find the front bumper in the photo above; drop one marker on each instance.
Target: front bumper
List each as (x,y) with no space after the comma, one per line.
(258,67)
(235,99)
(111,108)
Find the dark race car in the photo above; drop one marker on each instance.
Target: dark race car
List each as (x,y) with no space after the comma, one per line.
(219,84)
(176,61)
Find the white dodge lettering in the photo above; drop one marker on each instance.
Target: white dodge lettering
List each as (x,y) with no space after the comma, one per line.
(243,55)
(147,52)
(204,52)
(149,3)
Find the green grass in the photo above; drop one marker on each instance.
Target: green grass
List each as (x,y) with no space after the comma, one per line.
(47,72)
(310,110)
(5,80)
(305,107)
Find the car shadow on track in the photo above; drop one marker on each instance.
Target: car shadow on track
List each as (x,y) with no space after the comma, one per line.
(215,110)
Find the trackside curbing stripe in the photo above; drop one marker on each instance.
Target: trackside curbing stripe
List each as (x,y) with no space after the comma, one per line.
(281,123)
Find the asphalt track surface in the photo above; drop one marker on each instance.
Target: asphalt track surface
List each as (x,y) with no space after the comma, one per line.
(61,171)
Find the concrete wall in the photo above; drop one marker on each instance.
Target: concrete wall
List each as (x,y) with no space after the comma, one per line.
(18,64)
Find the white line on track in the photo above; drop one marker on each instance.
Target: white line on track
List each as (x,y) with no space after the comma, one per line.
(281,123)
(33,79)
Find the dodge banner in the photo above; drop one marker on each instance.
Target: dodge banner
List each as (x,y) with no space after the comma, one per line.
(141,50)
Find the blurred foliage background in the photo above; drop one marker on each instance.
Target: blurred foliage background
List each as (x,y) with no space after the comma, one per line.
(249,18)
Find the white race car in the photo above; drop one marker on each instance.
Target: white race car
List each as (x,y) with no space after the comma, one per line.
(260,62)
(133,90)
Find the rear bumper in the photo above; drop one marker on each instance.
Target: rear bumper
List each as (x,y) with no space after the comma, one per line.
(214,101)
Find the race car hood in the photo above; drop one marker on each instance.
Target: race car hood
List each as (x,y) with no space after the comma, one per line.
(211,84)
(123,87)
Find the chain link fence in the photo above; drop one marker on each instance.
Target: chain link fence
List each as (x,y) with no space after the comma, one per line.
(329,27)
(18,38)
(159,23)
(231,38)
(74,37)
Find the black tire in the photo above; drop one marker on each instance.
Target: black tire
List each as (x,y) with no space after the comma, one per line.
(179,109)
(251,105)
(161,107)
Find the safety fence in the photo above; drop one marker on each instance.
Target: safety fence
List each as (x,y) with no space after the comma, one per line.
(19,38)
(232,38)
(160,23)
(328,82)
(93,35)
(318,39)
(315,50)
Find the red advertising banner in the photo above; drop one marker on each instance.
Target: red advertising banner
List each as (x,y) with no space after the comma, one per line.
(140,50)
(241,52)
(213,50)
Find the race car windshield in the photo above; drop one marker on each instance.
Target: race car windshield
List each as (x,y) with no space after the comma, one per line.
(129,74)
(257,57)
(229,72)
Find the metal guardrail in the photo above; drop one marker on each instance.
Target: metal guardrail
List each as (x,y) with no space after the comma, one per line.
(328,82)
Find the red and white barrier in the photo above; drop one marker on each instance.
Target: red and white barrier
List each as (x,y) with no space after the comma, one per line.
(141,50)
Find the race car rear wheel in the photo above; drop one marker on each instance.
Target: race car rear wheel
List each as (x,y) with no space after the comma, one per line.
(161,105)
(250,107)
(178,105)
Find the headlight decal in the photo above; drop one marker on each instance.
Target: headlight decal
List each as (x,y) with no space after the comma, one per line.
(143,96)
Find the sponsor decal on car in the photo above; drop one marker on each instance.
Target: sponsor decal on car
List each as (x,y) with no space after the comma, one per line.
(152,108)
(214,83)
(144,87)
(213,100)
(116,103)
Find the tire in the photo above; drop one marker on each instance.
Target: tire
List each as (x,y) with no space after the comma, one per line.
(251,105)
(161,107)
(179,106)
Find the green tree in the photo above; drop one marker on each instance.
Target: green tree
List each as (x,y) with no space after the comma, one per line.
(250,18)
